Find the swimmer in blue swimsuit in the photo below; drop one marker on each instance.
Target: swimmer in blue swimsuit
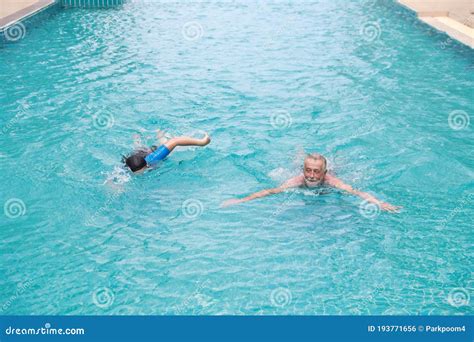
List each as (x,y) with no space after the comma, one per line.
(141,160)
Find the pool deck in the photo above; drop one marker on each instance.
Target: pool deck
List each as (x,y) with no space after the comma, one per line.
(14,10)
(454,17)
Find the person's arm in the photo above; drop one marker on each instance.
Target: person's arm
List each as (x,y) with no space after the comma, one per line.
(256,195)
(339,184)
(291,183)
(187,141)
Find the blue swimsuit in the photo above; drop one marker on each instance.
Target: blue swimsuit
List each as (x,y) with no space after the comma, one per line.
(159,154)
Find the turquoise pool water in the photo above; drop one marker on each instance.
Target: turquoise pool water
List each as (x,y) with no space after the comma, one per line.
(384,97)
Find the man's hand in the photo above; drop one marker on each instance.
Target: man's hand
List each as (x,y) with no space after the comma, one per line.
(389,207)
(337,183)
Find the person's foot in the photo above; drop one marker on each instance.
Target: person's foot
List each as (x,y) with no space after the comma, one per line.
(205,140)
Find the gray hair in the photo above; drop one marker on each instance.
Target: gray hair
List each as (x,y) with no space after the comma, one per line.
(316,157)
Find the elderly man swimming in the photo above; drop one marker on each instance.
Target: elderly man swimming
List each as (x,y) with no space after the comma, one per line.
(315,174)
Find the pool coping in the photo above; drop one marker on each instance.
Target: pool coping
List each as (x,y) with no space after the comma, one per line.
(441,21)
(25,13)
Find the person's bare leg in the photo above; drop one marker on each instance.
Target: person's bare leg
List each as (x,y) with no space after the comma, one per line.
(187,141)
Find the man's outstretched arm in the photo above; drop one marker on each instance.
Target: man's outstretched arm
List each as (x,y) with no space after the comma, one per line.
(291,183)
(339,184)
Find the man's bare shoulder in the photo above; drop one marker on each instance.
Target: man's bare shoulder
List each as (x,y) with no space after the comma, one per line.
(330,179)
(293,182)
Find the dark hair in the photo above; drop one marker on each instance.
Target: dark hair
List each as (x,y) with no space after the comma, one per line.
(136,161)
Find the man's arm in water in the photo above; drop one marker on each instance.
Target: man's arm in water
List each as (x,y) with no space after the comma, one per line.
(339,184)
(290,183)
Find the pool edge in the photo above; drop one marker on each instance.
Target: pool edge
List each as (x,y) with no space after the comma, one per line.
(432,19)
(25,13)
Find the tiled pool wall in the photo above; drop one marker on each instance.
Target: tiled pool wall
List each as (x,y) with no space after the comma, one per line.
(18,30)
(91,3)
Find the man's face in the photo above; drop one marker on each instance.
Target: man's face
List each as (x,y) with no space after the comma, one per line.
(313,171)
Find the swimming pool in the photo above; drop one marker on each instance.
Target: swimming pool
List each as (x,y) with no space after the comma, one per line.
(384,97)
